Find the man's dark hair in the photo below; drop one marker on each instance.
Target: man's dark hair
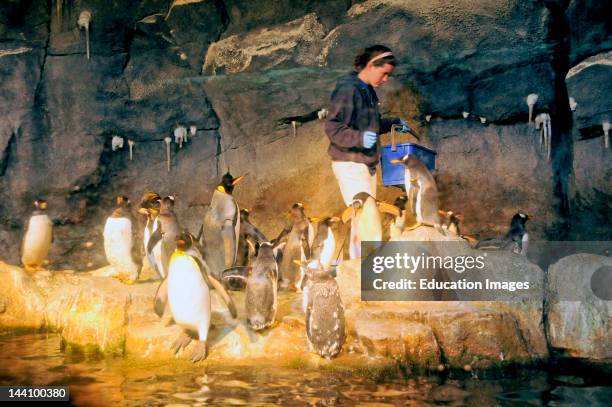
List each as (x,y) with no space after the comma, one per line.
(365,56)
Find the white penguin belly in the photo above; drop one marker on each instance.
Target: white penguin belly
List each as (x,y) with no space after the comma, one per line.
(154,257)
(329,247)
(118,245)
(37,240)
(188,294)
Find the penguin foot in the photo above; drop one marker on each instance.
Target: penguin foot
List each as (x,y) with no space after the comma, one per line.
(200,352)
(181,342)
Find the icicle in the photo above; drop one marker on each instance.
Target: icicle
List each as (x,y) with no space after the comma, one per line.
(466,115)
(294,125)
(83,23)
(131,145)
(428,118)
(532,99)
(180,135)
(543,123)
(606,129)
(322,113)
(168,140)
(573,104)
(116,143)
(483,120)
(192,131)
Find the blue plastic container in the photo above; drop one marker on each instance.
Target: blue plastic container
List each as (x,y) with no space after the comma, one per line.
(393,174)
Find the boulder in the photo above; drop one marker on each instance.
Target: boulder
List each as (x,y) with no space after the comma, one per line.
(579,307)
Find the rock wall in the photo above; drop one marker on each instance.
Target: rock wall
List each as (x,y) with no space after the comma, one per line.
(233,68)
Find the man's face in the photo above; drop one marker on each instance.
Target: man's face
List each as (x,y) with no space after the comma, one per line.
(380,74)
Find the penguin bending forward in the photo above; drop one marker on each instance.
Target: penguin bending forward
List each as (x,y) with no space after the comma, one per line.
(38,238)
(187,289)
(261,278)
(118,241)
(325,323)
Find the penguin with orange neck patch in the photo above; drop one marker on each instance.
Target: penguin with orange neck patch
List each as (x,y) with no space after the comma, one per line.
(221,226)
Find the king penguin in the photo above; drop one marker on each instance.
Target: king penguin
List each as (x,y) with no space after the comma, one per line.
(37,238)
(221,226)
(118,241)
(149,206)
(188,294)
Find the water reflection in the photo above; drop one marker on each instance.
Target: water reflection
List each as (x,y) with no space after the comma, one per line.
(37,359)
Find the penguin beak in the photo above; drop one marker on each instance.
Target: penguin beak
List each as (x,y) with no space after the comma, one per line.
(396,161)
(143,211)
(236,180)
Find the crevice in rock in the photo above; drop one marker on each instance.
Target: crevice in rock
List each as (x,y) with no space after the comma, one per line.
(39,84)
(558,37)
(6,155)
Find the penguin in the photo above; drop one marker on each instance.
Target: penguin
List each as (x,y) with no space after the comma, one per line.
(366,222)
(325,323)
(118,241)
(37,238)
(149,206)
(299,235)
(515,240)
(249,237)
(426,206)
(188,287)
(167,231)
(261,300)
(221,226)
(324,242)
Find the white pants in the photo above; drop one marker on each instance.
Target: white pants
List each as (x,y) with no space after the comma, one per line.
(354,178)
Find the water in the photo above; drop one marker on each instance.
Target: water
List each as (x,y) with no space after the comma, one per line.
(36,359)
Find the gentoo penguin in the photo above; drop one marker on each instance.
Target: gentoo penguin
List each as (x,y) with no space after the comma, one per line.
(261,287)
(221,226)
(167,231)
(516,240)
(149,206)
(325,324)
(38,237)
(426,207)
(299,234)
(188,293)
(450,221)
(118,241)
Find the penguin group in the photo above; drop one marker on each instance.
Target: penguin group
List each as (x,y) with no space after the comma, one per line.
(230,253)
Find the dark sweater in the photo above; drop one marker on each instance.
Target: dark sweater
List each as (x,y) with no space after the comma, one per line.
(353,110)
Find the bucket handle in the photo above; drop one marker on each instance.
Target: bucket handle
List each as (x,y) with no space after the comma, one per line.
(394,127)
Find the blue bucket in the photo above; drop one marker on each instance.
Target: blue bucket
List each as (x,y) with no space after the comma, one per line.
(393,174)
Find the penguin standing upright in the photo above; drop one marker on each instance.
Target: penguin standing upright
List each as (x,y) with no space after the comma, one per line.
(188,294)
(297,249)
(249,237)
(324,242)
(261,279)
(37,238)
(221,226)
(149,206)
(366,222)
(118,241)
(167,231)
(325,323)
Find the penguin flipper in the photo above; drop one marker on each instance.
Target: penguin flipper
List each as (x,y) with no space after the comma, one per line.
(251,231)
(229,244)
(200,233)
(212,282)
(154,239)
(161,298)
(240,272)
